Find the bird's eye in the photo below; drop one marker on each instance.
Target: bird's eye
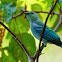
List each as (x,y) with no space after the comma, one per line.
(31,12)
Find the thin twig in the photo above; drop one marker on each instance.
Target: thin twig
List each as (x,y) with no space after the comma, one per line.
(60,21)
(45,27)
(36,12)
(58,25)
(45,12)
(17,15)
(19,41)
(37,52)
(56,13)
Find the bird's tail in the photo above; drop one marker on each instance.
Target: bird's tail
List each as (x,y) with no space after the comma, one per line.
(61,45)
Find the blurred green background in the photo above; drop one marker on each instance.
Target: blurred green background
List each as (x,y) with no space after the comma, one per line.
(10,50)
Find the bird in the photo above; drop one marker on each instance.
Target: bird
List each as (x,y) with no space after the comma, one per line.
(36,26)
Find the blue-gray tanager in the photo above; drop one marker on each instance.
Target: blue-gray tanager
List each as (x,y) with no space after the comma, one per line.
(36,26)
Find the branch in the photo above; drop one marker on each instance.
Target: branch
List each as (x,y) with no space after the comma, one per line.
(35,12)
(37,52)
(45,12)
(45,27)
(58,25)
(19,41)
(17,15)
(60,21)
(56,13)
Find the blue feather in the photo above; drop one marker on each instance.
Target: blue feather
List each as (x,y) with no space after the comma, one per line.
(49,35)
(36,26)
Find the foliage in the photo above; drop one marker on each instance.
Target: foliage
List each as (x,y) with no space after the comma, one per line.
(11,51)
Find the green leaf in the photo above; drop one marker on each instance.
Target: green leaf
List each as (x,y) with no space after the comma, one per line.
(8,36)
(22,8)
(13,8)
(1,6)
(1,60)
(44,1)
(19,3)
(60,29)
(55,23)
(12,25)
(22,24)
(29,42)
(60,1)
(17,51)
(7,15)
(8,1)
(8,11)
(19,25)
(7,56)
(36,7)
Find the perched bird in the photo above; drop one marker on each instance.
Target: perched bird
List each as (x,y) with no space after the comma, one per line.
(36,26)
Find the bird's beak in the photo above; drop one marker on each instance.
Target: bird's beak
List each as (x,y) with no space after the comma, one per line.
(26,13)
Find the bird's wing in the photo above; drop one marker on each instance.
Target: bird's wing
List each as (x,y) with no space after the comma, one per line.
(39,22)
(49,34)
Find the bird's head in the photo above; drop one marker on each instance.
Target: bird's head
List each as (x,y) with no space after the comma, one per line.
(31,16)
